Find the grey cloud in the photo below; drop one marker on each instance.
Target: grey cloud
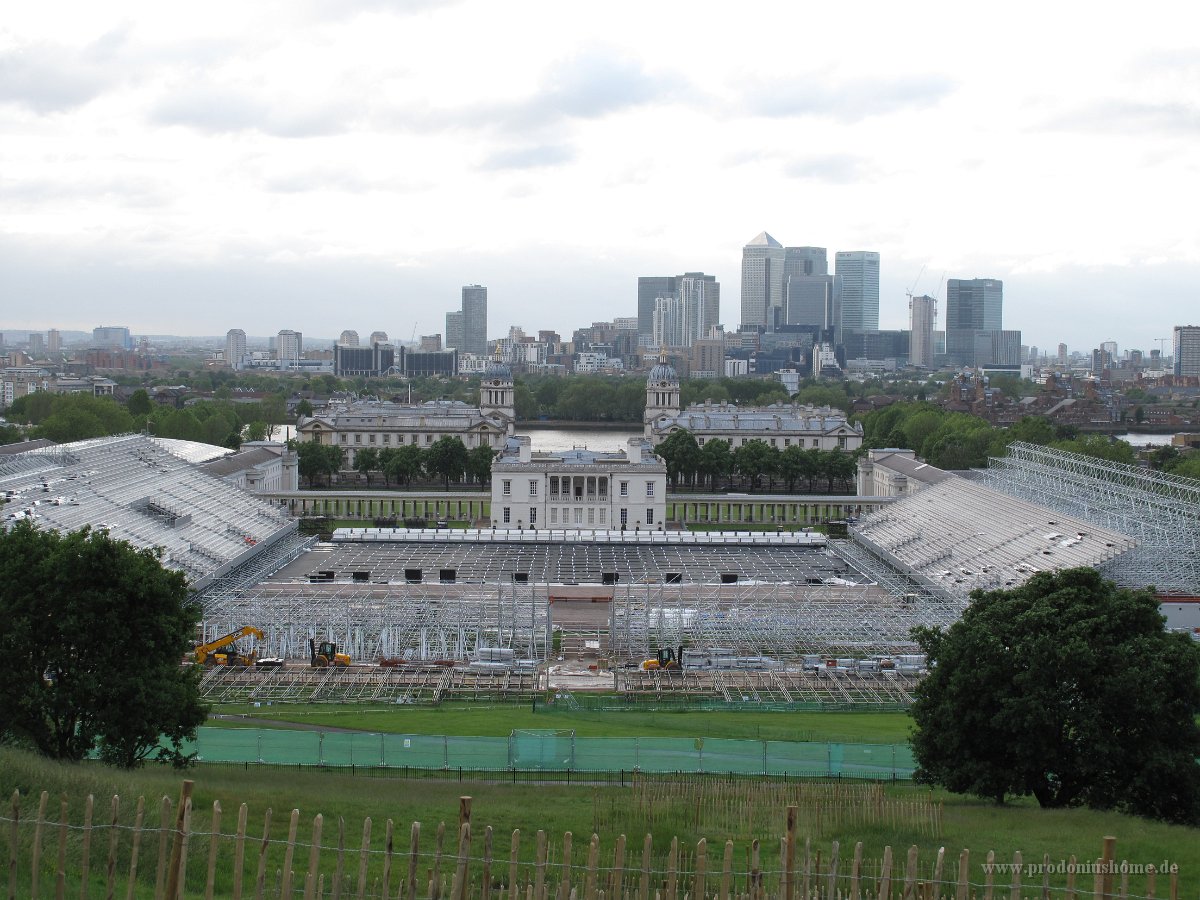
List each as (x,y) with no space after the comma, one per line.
(219,109)
(838,168)
(1128,116)
(48,78)
(529,157)
(850,101)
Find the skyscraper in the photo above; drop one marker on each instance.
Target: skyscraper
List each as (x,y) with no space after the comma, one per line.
(349,338)
(805,261)
(922,315)
(289,345)
(474,319)
(973,306)
(703,293)
(115,337)
(235,348)
(454,330)
(651,288)
(1186,348)
(54,340)
(762,281)
(860,289)
(814,300)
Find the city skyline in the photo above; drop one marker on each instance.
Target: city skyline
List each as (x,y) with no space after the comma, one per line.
(187,169)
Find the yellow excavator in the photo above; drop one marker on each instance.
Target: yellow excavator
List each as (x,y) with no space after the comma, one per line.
(326,654)
(224,651)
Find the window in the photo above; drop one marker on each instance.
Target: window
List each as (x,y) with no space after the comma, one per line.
(358,439)
(370,438)
(507,515)
(624,488)
(533,517)
(649,488)
(624,517)
(554,515)
(650,516)
(603,516)
(532,487)
(787,442)
(591,515)
(842,442)
(579,515)
(815,442)
(429,438)
(387,438)
(345,438)
(506,487)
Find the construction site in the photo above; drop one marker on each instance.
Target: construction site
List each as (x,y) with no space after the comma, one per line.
(707,619)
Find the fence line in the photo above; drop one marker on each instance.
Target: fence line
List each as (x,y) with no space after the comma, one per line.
(550,751)
(177,859)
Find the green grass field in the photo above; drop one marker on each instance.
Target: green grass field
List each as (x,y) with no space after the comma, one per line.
(664,809)
(498,721)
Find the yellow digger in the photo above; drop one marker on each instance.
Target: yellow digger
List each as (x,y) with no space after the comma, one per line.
(668,659)
(224,651)
(326,654)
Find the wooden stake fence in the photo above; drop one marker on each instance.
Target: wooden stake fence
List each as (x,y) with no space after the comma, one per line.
(211,863)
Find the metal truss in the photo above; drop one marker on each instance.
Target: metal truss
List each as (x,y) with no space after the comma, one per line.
(823,687)
(418,622)
(1160,512)
(778,622)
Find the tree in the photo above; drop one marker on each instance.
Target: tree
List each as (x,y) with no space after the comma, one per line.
(94,630)
(314,460)
(681,453)
(754,459)
(366,461)
(303,408)
(447,456)
(407,463)
(479,463)
(716,460)
(256,431)
(1066,688)
(139,404)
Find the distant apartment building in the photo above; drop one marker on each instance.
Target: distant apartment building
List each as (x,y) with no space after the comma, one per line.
(114,336)
(53,341)
(1186,349)
(922,317)
(430,343)
(454,329)
(235,348)
(474,318)
(675,310)
(289,347)
(349,338)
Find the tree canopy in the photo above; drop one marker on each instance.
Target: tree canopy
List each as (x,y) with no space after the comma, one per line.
(1066,688)
(94,632)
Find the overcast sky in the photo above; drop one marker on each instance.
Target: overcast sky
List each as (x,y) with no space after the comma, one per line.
(330,164)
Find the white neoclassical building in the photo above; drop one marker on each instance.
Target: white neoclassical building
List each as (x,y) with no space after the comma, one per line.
(588,489)
(358,425)
(780,425)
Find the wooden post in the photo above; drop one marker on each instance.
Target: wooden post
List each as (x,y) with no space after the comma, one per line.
(1045,876)
(486,893)
(260,877)
(1071,894)
(673,869)
(962,891)
(458,888)
(60,875)
(885,876)
(789,861)
(114,837)
(616,881)
(856,873)
(239,851)
(755,869)
(85,856)
(1174,883)
(514,848)
(989,877)
(314,857)
(938,867)
(184,845)
(910,875)
(1109,854)
(464,812)
(364,852)
(831,885)
(164,827)
(564,884)
(139,818)
(173,873)
(289,855)
(1014,892)
(1150,885)
(339,872)
(435,890)
(213,844)
(589,885)
(389,837)
(644,880)
(539,867)
(727,871)
(414,861)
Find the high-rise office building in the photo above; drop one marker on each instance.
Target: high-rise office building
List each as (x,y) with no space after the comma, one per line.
(922,317)
(53,340)
(651,288)
(1062,354)
(859,270)
(814,300)
(805,261)
(114,337)
(703,294)
(454,330)
(37,344)
(289,346)
(474,319)
(763,263)
(1186,347)
(235,348)
(973,305)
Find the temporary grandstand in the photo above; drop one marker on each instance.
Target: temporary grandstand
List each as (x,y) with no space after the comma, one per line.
(960,535)
(142,493)
(1157,512)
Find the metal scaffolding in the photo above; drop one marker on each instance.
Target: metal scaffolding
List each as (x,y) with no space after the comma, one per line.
(767,624)
(1160,512)
(417,622)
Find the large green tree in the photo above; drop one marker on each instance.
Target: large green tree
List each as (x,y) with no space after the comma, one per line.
(681,453)
(479,463)
(447,457)
(94,631)
(1066,688)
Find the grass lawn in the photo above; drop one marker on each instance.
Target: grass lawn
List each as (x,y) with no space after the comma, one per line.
(498,721)
(895,815)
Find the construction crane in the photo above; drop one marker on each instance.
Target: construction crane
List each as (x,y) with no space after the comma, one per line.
(912,287)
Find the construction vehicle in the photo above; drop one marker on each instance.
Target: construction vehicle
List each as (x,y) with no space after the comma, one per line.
(326,654)
(667,659)
(224,651)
